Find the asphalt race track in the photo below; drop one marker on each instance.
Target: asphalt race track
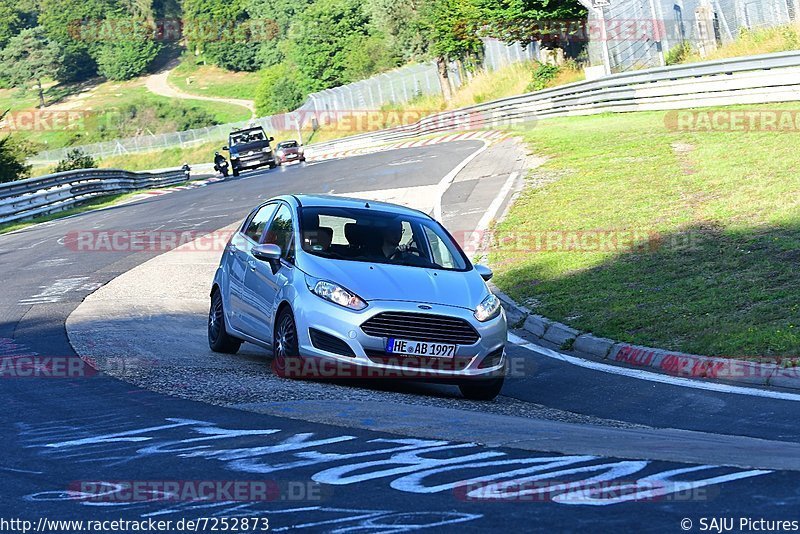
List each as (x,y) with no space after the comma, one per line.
(578,448)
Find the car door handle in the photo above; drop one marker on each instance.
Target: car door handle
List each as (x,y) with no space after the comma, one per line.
(252,265)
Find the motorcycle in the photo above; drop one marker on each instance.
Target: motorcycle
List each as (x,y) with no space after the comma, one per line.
(222,167)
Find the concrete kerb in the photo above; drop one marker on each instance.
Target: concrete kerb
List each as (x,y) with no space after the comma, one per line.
(660,360)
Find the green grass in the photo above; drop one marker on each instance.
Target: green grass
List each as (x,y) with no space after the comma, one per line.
(207,80)
(722,279)
(101,99)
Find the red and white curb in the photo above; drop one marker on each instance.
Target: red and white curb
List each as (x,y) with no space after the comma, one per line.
(683,368)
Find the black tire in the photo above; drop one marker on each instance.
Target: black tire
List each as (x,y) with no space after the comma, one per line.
(225,173)
(218,338)
(482,390)
(235,171)
(285,346)
(273,165)
(278,162)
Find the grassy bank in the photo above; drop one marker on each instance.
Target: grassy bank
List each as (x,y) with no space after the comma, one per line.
(208,80)
(719,214)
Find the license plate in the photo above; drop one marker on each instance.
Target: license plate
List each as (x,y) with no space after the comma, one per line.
(290,156)
(420,348)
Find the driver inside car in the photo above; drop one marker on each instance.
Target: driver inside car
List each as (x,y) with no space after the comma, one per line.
(392,234)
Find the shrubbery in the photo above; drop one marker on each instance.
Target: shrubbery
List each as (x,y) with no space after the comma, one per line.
(75,159)
(543,74)
(278,91)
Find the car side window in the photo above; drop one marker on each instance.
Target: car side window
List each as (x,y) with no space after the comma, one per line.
(255,228)
(281,233)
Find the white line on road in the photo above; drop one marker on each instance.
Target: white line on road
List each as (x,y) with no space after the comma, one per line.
(444,183)
(651,377)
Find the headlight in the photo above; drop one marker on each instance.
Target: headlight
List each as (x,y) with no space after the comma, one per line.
(336,294)
(267,149)
(488,309)
(234,156)
(279,152)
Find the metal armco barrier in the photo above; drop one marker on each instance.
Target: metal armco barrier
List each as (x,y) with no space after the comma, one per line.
(761,79)
(56,192)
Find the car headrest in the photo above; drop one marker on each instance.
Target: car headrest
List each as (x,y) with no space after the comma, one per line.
(353,234)
(325,236)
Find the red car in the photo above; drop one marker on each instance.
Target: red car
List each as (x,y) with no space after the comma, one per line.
(288,151)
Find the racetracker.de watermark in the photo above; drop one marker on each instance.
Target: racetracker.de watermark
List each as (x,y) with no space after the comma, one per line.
(38,366)
(131,491)
(42,120)
(207,29)
(587,491)
(744,120)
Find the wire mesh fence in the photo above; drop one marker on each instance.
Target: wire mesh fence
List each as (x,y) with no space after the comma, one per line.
(640,33)
(395,87)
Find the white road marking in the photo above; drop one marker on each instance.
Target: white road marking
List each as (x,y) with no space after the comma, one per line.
(491,213)
(444,183)
(650,376)
(55,292)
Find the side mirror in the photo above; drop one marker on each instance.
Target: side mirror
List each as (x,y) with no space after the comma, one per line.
(268,253)
(271,139)
(485,272)
(225,147)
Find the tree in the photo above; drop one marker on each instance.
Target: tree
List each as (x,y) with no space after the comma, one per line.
(400,23)
(520,21)
(319,38)
(278,91)
(76,159)
(221,31)
(450,31)
(281,13)
(72,24)
(368,55)
(128,56)
(30,57)
(12,158)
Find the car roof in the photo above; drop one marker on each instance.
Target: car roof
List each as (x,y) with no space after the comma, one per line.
(259,128)
(319,201)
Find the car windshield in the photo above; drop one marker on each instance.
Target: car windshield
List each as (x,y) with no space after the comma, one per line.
(368,235)
(288,144)
(247,137)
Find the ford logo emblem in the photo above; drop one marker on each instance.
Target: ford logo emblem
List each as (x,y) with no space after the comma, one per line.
(424,307)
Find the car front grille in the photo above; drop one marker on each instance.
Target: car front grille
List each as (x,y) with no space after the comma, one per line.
(421,327)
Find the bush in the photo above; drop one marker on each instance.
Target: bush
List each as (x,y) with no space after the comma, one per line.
(143,116)
(368,55)
(75,159)
(126,58)
(12,159)
(278,91)
(233,55)
(678,54)
(543,74)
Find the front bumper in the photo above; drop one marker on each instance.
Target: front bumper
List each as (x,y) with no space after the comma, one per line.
(369,357)
(254,162)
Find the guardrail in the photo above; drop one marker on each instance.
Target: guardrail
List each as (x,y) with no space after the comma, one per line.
(24,199)
(760,79)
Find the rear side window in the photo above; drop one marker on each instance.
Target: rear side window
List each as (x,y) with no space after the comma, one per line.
(281,232)
(255,228)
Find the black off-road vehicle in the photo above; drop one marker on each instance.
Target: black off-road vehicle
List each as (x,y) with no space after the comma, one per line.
(250,149)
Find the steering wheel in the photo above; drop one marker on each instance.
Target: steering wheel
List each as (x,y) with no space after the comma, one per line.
(405,250)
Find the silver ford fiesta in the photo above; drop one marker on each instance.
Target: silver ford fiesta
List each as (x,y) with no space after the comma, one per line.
(339,287)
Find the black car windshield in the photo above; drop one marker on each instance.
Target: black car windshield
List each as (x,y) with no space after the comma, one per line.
(247,137)
(368,235)
(288,144)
